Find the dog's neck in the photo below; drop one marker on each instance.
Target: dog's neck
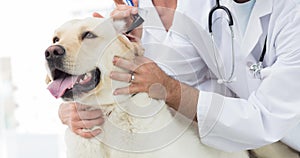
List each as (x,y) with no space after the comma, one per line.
(136,113)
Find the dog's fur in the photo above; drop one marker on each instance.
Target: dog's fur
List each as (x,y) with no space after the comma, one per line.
(85,54)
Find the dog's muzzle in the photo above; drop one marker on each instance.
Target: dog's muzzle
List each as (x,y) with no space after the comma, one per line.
(65,85)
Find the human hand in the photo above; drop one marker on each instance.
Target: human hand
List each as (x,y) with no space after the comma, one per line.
(126,12)
(97,15)
(79,117)
(148,77)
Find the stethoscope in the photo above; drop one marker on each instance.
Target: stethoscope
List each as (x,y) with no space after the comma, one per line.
(254,68)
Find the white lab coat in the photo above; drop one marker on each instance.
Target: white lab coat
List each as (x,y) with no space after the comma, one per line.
(258,112)
(262,111)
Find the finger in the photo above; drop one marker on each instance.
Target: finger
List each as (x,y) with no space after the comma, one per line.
(81,107)
(66,106)
(134,10)
(88,115)
(74,117)
(119,15)
(123,63)
(123,7)
(122,12)
(132,89)
(121,91)
(136,3)
(97,15)
(118,2)
(64,112)
(87,123)
(74,113)
(120,76)
(133,38)
(87,134)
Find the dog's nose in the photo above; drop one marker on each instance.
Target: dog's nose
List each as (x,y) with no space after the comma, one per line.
(54,51)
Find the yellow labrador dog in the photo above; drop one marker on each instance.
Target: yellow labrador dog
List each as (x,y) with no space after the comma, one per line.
(79,63)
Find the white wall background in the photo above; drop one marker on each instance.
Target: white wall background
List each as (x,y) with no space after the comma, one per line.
(25,32)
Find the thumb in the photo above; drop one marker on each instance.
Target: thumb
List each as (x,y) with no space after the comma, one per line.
(118,2)
(97,15)
(136,3)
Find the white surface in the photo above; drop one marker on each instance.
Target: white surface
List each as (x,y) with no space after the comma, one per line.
(34,146)
(26,31)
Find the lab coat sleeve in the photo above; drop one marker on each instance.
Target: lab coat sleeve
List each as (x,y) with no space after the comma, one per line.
(233,124)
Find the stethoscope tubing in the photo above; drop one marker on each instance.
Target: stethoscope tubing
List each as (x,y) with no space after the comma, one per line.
(222,78)
(213,10)
(255,68)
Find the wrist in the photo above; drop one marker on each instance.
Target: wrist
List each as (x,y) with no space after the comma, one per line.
(173,89)
(182,98)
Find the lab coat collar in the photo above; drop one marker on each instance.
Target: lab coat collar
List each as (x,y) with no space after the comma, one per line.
(252,36)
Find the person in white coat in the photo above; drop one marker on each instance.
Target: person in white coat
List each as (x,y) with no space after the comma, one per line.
(258,111)
(264,109)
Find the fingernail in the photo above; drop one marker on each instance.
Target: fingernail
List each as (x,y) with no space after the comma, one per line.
(115,93)
(98,131)
(111,74)
(114,61)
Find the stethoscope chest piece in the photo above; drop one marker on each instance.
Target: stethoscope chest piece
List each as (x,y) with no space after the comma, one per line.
(256,69)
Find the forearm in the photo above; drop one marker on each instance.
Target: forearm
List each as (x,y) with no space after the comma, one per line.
(182,98)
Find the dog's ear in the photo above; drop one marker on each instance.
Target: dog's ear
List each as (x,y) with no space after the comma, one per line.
(132,41)
(47,80)
(119,25)
(136,41)
(134,45)
(139,50)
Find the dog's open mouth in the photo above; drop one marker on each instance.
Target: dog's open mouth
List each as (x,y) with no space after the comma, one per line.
(68,86)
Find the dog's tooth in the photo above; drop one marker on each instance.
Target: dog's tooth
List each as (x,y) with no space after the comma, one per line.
(89,74)
(85,77)
(81,80)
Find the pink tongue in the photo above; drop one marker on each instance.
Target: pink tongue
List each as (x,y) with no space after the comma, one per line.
(58,87)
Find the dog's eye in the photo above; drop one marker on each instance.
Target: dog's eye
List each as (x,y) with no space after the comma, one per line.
(55,39)
(88,34)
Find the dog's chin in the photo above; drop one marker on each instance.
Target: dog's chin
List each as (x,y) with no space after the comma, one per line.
(73,87)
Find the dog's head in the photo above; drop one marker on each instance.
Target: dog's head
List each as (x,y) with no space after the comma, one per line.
(79,60)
